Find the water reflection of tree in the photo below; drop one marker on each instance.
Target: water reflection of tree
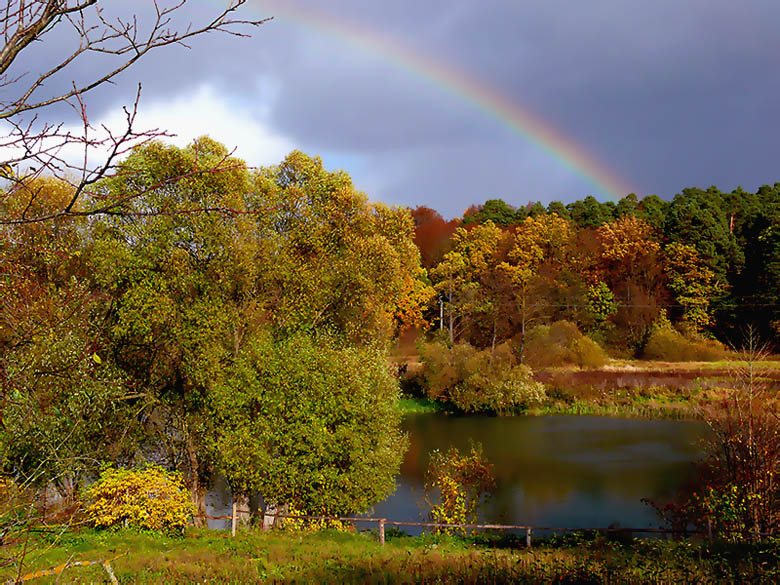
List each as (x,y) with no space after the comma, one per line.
(551,463)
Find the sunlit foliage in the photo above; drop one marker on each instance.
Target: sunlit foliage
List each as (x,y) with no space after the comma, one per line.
(148,499)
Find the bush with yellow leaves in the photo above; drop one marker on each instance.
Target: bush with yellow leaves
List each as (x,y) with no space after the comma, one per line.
(290,522)
(147,499)
(462,482)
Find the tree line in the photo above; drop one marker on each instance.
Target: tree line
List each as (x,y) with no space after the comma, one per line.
(706,262)
(223,319)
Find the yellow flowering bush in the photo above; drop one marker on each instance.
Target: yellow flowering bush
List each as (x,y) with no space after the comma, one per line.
(148,499)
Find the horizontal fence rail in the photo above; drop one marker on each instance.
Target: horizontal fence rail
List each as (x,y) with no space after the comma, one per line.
(382,522)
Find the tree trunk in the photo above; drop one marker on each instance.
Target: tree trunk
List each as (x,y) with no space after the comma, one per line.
(241,512)
(452,337)
(522,333)
(197,490)
(268,518)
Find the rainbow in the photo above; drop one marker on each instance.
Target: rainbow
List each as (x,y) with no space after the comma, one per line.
(543,135)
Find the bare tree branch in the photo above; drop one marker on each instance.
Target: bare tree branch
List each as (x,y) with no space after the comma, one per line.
(33,146)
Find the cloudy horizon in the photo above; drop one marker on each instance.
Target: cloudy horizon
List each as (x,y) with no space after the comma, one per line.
(663,96)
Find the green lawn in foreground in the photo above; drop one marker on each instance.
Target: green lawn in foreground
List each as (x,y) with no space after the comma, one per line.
(332,557)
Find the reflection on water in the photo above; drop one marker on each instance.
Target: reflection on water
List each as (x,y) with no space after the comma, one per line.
(567,471)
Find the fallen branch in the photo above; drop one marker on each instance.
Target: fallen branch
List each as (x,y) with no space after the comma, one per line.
(64,566)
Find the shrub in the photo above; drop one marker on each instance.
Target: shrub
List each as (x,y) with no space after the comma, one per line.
(309,525)
(540,351)
(462,482)
(559,344)
(667,344)
(735,493)
(564,333)
(148,499)
(587,353)
(478,381)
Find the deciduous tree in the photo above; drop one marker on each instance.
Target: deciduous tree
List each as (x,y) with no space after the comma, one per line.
(538,241)
(692,283)
(309,424)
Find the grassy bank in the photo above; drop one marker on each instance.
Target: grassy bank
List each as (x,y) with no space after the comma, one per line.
(412,405)
(631,388)
(332,557)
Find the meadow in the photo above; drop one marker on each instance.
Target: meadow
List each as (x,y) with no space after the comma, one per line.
(342,557)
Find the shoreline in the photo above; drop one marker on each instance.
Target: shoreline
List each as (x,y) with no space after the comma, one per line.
(629,389)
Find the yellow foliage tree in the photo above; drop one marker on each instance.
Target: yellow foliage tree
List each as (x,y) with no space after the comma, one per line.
(539,239)
(464,276)
(693,284)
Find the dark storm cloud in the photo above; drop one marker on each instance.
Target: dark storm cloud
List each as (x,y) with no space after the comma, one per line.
(450,178)
(668,94)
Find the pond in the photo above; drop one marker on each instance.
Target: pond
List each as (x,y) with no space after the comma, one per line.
(564,471)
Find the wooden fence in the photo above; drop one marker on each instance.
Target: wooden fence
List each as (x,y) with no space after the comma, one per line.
(529,530)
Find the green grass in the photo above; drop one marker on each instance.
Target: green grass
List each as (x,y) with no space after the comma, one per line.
(656,402)
(333,557)
(419,405)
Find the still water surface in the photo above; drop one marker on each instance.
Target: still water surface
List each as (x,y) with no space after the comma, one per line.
(565,471)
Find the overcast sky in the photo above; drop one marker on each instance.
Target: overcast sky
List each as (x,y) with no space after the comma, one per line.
(662,95)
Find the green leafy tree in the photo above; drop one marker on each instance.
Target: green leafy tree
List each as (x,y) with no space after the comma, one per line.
(653,210)
(340,263)
(181,267)
(628,205)
(202,264)
(536,209)
(700,218)
(601,304)
(309,424)
(590,213)
(770,242)
(497,211)
(693,285)
(558,209)
(755,297)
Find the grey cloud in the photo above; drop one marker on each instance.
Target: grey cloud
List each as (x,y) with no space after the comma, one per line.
(669,94)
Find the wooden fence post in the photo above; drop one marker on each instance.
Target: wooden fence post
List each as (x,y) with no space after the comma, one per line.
(234,519)
(528,537)
(382,531)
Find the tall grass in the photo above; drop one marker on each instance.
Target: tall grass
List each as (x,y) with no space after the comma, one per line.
(331,557)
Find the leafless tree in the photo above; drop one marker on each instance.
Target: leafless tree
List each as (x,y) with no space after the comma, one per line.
(32,145)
